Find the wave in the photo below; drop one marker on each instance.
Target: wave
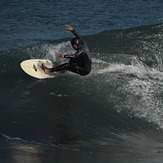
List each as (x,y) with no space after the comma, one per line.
(122,91)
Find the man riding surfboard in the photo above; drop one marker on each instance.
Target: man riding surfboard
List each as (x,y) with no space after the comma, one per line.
(79,62)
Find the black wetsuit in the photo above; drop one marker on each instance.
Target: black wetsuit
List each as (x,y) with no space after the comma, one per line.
(80,62)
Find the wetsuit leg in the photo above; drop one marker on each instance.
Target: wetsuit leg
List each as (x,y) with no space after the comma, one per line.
(76,69)
(61,67)
(70,67)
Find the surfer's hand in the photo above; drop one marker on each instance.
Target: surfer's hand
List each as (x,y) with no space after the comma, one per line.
(61,55)
(68,27)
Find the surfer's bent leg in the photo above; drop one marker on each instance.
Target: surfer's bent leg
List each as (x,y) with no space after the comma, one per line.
(66,66)
(76,69)
(70,67)
(61,67)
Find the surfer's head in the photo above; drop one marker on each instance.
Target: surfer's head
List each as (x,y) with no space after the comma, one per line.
(76,43)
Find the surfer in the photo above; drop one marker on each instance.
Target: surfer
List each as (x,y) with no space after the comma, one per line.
(79,62)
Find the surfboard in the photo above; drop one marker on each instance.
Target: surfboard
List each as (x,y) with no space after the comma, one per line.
(33,68)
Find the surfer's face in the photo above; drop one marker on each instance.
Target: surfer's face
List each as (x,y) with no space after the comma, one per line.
(75,46)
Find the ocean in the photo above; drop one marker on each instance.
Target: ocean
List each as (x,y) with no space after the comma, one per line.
(114,114)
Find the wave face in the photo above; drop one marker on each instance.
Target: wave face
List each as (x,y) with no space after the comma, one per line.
(117,108)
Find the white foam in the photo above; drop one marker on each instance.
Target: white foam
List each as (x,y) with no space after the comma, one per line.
(54,50)
(94,60)
(14,138)
(50,51)
(144,100)
(136,68)
(143,94)
(19,139)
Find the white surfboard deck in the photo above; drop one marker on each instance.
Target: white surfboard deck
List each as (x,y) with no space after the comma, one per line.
(33,68)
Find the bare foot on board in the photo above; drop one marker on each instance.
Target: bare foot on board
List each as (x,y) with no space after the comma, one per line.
(46,69)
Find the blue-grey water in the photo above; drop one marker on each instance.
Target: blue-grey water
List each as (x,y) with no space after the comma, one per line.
(100,118)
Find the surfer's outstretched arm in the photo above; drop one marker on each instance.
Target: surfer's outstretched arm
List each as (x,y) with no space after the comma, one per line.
(74,32)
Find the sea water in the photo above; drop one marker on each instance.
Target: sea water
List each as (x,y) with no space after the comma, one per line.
(112,115)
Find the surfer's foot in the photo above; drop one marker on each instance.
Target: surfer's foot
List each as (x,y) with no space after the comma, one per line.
(46,69)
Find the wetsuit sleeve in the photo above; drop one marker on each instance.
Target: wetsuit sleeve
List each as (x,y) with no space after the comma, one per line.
(69,56)
(76,55)
(78,36)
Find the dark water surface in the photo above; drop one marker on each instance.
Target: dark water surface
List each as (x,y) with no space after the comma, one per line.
(103,117)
